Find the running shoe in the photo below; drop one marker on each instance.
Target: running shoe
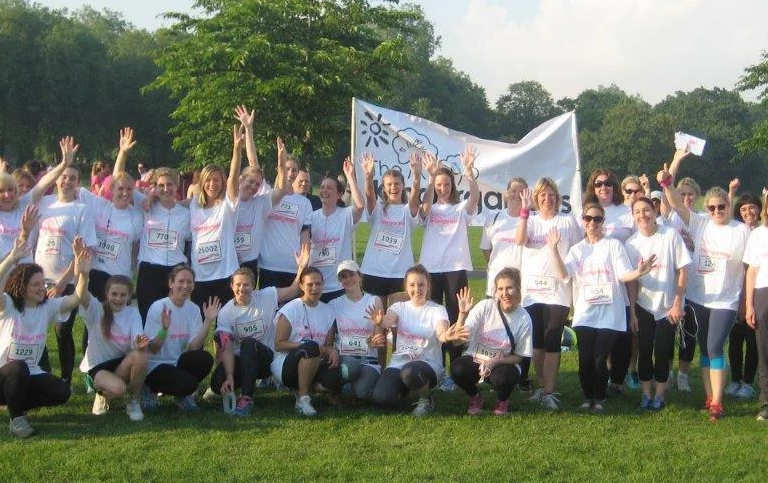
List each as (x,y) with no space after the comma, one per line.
(598,407)
(707,404)
(133,409)
(585,406)
(100,405)
(658,403)
(20,427)
(424,407)
(538,395)
(682,382)
(633,382)
(746,391)
(645,402)
(716,412)
(304,406)
(244,406)
(148,399)
(211,397)
(763,414)
(501,408)
(447,384)
(475,404)
(551,402)
(732,388)
(187,403)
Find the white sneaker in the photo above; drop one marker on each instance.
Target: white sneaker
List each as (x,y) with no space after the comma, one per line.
(682,382)
(551,402)
(732,388)
(746,391)
(423,407)
(304,406)
(210,396)
(20,427)
(538,395)
(133,408)
(100,405)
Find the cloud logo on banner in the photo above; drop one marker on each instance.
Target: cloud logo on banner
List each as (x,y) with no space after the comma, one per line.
(409,140)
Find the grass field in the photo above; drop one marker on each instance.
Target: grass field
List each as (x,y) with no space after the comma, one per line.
(363,443)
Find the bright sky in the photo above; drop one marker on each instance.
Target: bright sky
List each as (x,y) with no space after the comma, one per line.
(649,47)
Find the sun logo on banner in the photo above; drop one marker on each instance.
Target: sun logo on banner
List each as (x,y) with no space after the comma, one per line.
(375,130)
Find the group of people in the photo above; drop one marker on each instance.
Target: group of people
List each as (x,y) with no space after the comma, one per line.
(276,282)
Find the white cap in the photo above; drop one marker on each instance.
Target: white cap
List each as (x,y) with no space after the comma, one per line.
(350,265)
(656,195)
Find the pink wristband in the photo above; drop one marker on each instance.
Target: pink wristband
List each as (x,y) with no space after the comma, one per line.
(666,183)
(525,213)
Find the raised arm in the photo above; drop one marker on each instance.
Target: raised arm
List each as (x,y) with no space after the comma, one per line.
(370,191)
(278,190)
(210,311)
(466,301)
(666,181)
(284,294)
(165,323)
(233,181)
(553,238)
(357,197)
(125,144)
(29,220)
(379,318)
(677,161)
(246,120)
(431,164)
(68,151)
(82,269)
(733,188)
(414,201)
(521,231)
(468,158)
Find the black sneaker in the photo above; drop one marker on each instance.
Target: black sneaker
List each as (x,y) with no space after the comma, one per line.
(525,386)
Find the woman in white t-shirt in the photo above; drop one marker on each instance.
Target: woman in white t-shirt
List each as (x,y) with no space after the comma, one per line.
(178,362)
(305,357)
(660,299)
(25,315)
(715,283)
(445,247)
(546,298)
(499,339)
(599,267)
(361,345)
(332,229)
(389,253)
(417,360)
(116,356)
(245,334)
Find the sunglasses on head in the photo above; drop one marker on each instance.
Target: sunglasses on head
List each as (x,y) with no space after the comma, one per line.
(630,191)
(596,219)
(606,183)
(712,208)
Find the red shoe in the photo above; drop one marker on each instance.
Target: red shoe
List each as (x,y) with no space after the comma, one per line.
(715,412)
(475,404)
(502,408)
(707,403)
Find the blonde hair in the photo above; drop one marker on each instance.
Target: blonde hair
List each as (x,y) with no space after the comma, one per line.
(8,181)
(540,186)
(691,183)
(252,171)
(170,173)
(21,173)
(202,197)
(717,192)
(630,179)
(121,176)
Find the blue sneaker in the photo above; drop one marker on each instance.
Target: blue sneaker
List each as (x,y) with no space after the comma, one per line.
(148,399)
(633,381)
(447,384)
(244,406)
(658,403)
(645,402)
(187,403)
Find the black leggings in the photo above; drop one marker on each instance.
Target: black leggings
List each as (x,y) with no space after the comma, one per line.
(182,379)
(252,363)
(657,342)
(212,288)
(445,287)
(395,383)
(21,391)
(66,342)
(151,286)
(761,334)
(743,363)
(594,347)
(465,372)
(330,379)
(548,322)
(621,354)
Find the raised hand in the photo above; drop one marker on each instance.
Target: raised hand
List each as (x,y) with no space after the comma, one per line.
(664,175)
(553,237)
(680,154)
(430,163)
(211,308)
(646,266)
(468,158)
(68,149)
(349,168)
(302,256)
(526,199)
(83,261)
(645,182)
(415,163)
(457,334)
(376,316)
(29,219)
(165,317)
(246,118)
(368,164)
(465,299)
(78,246)
(734,185)
(282,154)
(127,141)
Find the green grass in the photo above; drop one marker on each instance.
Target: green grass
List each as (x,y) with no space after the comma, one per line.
(363,443)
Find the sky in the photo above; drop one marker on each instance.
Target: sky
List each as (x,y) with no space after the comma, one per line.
(648,47)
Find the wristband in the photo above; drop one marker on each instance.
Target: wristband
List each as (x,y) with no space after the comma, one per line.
(162,333)
(525,213)
(666,183)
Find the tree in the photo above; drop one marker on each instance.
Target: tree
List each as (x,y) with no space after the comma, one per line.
(524,106)
(592,104)
(756,77)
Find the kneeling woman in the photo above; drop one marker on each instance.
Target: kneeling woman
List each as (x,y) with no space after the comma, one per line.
(304,344)
(499,338)
(177,334)
(599,266)
(245,334)
(25,314)
(116,356)
(417,360)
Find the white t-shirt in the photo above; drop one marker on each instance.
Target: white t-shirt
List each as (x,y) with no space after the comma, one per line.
(165,232)
(282,235)
(213,240)
(186,323)
(389,253)
(717,274)
(22,335)
(10,227)
(499,237)
(618,222)
(539,279)
(249,231)
(126,326)
(674,221)
(488,338)
(657,288)
(331,243)
(353,327)
(60,222)
(756,255)
(116,230)
(417,335)
(599,295)
(255,320)
(307,323)
(445,247)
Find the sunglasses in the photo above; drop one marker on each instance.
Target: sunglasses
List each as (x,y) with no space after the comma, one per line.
(600,184)
(596,219)
(712,208)
(632,192)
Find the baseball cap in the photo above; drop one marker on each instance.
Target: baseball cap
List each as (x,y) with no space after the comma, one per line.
(350,265)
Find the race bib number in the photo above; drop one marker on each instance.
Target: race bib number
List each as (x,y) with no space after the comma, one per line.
(354,346)
(541,285)
(323,256)
(389,242)
(208,252)
(410,348)
(598,293)
(52,245)
(107,249)
(252,328)
(286,208)
(711,265)
(485,353)
(23,352)
(242,242)
(162,239)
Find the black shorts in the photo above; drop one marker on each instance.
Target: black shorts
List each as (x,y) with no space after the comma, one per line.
(382,286)
(110,365)
(271,278)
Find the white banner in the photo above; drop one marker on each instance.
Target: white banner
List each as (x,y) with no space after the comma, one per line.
(549,150)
